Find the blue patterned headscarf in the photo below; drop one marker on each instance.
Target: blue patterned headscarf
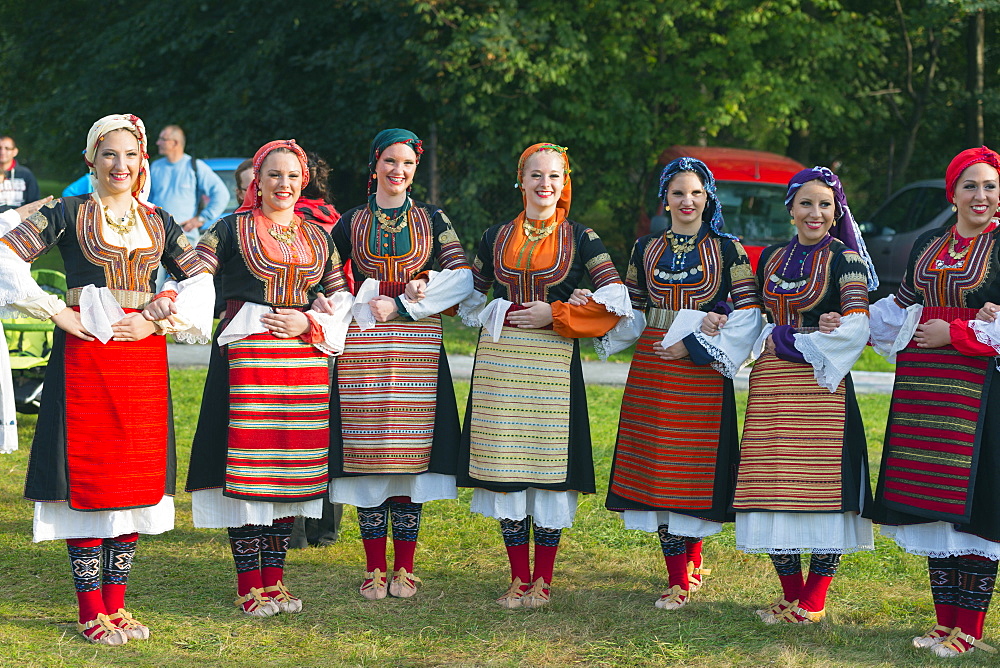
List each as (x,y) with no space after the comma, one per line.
(713,209)
(846,228)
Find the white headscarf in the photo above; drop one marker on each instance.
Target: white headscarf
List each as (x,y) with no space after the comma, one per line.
(116,122)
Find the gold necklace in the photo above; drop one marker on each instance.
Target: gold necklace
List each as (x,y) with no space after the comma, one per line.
(681,246)
(122,226)
(285,235)
(953,244)
(537,232)
(393,225)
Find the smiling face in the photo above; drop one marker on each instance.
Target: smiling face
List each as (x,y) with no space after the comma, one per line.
(117,163)
(395,169)
(976,197)
(280,181)
(543,180)
(686,197)
(813,209)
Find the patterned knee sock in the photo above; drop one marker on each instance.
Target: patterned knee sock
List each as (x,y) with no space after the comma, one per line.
(822,568)
(943,574)
(273,548)
(546,546)
(515,538)
(118,555)
(789,570)
(245,542)
(675,555)
(405,530)
(85,563)
(374,524)
(977,576)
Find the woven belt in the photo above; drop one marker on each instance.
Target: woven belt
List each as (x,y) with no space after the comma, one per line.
(125,298)
(661,318)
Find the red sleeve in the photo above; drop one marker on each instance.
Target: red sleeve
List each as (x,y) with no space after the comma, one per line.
(965,341)
(315,332)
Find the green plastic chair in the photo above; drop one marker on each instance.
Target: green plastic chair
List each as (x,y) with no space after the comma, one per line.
(29,343)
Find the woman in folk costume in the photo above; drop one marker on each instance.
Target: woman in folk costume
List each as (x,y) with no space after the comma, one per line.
(260,454)
(803,475)
(396,435)
(526,443)
(102,462)
(677,439)
(936,494)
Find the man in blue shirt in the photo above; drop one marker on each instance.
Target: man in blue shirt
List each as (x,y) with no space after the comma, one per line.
(193,194)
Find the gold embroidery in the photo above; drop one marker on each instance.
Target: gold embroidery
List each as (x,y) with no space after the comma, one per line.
(210,239)
(592,235)
(632,275)
(38,221)
(448,236)
(478,264)
(335,258)
(851,256)
(598,260)
(741,272)
(447,221)
(853,277)
(183,242)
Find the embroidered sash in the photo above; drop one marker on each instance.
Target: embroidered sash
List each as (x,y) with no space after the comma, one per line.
(520,407)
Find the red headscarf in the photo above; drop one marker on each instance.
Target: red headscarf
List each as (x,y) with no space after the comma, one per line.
(567,193)
(963,161)
(252,200)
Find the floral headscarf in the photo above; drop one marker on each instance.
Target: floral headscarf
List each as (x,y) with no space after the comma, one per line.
(133,124)
(253,199)
(566,198)
(846,228)
(963,161)
(384,140)
(713,208)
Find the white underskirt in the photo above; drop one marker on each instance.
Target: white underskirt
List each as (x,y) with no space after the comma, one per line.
(940,539)
(212,510)
(370,491)
(677,524)
(797,533)
(548,509)
(57,521)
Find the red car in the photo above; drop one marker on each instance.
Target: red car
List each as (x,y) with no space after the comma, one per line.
(751,187)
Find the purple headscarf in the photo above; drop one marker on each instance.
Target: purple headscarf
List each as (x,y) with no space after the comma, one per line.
(713,208)
(845,229)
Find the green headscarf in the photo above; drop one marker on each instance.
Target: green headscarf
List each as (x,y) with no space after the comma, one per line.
(384,140)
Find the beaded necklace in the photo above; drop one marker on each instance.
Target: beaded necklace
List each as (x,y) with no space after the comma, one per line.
(680,246)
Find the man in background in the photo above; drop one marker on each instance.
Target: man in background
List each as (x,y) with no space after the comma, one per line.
(243,176)
(187,188)
(17,184)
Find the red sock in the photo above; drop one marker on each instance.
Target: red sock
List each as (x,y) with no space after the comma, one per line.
(114,594)
(946,615)
(246,581)
(90,603)
(402,554)
(813,596)
(693,548)
(545,562)
(792,586)
(520,563)
(677,573)
(375,553)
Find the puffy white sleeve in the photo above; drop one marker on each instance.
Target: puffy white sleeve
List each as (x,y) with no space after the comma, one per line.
(833,354)
(445,289)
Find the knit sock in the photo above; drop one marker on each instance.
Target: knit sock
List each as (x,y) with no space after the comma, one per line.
(977,577)
(374,525)
(822,568)
(944,589)
(118,555)
(273,548)
(693,549)
(85,564)
(546,547)
(405,530)
(515,538)
(245,542)
(789,570)
(675,555)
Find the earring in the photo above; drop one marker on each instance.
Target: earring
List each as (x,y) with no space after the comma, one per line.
(259,193)
(666,208)
(791,221)
(954,208)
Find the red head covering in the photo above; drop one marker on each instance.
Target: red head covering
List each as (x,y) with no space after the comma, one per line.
(964,160)
(567,194)
(252,200)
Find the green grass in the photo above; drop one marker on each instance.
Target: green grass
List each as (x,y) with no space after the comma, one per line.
(601,612)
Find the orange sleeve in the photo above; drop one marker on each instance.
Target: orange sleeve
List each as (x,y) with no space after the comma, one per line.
(965,340)
(576,322)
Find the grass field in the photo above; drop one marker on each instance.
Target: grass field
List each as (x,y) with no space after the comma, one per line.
(601,612)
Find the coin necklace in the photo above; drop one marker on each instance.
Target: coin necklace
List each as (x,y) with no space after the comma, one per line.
(285,235)
(680,246)
(393,225)
(782,280)
(124,224)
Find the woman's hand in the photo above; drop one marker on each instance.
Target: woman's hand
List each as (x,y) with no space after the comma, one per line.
(384,308)
(159,309)
(323,304)
(285,323)
(580,297)
(535,315)
(133,327)
(988,313)
(69,321)
(828,322)
(933,334)
(712,323)
(675,352)
(769,346)
(415,290)
(25,210)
